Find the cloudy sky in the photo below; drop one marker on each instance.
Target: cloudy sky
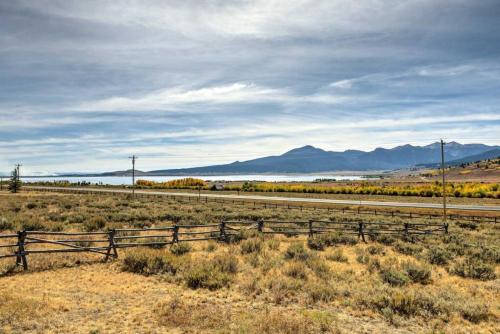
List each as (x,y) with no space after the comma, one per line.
(85,84)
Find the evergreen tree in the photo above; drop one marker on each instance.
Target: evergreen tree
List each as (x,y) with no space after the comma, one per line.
(14,182)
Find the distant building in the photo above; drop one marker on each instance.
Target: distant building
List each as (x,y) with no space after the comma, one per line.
(219,186)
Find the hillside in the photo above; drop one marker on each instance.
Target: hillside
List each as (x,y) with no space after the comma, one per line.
(488,155)
(477,171)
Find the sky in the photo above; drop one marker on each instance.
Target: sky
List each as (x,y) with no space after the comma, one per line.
(86,84)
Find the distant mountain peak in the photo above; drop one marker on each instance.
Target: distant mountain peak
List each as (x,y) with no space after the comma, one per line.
(307,148)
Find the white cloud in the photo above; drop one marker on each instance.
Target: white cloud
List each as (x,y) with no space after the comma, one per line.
(235,93)
(445,71)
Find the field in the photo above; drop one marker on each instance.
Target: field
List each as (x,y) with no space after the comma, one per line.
(257,284)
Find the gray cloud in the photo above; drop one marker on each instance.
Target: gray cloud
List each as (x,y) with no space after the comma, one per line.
(185,78)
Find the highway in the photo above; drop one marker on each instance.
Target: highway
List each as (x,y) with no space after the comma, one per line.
(490,208)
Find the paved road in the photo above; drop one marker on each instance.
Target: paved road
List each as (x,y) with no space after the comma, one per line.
(287,199)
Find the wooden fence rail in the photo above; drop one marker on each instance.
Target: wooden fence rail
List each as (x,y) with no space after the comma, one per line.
(107,243)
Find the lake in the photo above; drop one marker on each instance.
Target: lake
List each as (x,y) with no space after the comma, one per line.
(120,180)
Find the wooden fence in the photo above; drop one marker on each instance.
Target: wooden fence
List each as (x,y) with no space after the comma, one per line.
(107,243)
(327,207)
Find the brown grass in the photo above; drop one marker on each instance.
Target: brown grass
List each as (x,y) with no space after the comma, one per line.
(269,285)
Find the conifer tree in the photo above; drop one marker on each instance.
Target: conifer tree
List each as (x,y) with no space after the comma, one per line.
(14,182)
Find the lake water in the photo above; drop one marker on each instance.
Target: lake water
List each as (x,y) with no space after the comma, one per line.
(120,180)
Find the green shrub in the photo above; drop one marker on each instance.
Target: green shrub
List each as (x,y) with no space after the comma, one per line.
(226,263)
(320,292)
(296,270)
(474,268)
(474,312)
(206,275)
(405,303)
(407,248)
(362,256)
(31,205)
(458,249)
(467,225)
(94,224)
(319,267)
(253,245)
(243,235)
(316,244)
(32,225)
(337,256)
(273,244)
(180,248)
(148,262)
(373,265)
(333,239)
(6,224)
(297,251)
(417,273)
(394,276)
(375,249)
(382,238)
(420,302)
(438,255)
(486,254)
(282,287)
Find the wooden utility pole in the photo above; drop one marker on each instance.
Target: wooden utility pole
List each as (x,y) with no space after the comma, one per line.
(133,157)
(444,180)
(17,168)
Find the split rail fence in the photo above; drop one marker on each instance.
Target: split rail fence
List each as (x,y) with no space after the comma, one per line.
(259,204)
(107,243)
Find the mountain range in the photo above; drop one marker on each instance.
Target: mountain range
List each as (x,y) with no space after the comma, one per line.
(309,159)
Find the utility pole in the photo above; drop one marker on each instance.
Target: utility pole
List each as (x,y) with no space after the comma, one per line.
(133,157)
(444,181)
(18,175)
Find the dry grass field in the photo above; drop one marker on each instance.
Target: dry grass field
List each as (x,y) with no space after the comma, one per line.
(258,284)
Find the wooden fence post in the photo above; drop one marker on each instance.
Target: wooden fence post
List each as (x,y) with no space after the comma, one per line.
(310,229)
(260,225)
(21,255)
(361,232)
(223,236)
(406,230)
(112,246)
(175,235)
